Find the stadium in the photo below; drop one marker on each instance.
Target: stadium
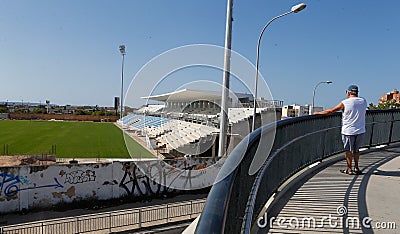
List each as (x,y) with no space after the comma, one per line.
(187,122)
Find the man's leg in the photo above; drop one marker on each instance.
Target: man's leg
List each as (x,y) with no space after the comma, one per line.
(357,143)
(356,158)
(348,160)
(347,147)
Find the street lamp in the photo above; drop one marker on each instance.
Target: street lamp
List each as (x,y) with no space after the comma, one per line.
(225,80)
(122,50)
(313,97)
(295,9)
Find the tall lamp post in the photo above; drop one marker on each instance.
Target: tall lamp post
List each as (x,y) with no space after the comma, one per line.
(225,80)
(122,50)
(294,9)
(313,97)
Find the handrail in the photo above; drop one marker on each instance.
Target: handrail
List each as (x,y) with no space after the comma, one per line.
(249,213)
(235,200)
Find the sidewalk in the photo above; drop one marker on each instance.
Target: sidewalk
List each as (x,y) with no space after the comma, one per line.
(10,219)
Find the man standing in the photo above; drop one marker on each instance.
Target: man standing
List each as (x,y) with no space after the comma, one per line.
(353,126)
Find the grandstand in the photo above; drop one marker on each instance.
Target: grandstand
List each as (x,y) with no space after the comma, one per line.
(139,122)
(169,135)
(188,122)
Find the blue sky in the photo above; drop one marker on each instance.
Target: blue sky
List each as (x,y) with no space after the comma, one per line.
(67,51)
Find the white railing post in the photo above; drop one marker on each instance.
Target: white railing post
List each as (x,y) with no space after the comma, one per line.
(167,214)
(109,223)
(140,217)
(191,209)
(77,225)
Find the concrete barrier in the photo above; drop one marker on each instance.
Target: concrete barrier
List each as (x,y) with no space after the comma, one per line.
(28,187)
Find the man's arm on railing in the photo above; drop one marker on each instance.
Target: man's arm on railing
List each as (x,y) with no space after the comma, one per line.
(339,107)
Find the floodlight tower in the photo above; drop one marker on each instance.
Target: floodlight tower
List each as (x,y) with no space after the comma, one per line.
(122,50)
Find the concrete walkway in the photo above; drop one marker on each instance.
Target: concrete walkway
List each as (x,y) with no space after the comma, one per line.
(327,201)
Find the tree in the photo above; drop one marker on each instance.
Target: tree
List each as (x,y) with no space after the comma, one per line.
(388,104)
(3,109)
(81,112)
(39,110)
(372,106)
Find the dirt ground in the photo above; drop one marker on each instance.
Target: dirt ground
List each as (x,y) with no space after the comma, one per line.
(19,160)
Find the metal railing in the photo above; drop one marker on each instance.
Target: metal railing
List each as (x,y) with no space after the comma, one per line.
(115,221)
(236,200)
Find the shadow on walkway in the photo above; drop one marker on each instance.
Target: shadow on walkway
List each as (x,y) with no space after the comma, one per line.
(327,201)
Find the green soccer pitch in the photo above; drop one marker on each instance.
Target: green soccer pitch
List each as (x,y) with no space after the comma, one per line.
(70,139)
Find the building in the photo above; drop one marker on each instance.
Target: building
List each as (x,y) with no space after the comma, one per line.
(188,99)
(291,111)
(392,95)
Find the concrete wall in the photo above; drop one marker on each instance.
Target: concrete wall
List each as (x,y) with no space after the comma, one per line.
(28,187)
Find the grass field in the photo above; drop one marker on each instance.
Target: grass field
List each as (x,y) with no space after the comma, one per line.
(71,139)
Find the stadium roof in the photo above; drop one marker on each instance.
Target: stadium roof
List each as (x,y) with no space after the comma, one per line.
(186,95)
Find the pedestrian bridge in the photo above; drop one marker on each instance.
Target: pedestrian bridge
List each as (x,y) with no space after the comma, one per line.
(294,185)
(325,200)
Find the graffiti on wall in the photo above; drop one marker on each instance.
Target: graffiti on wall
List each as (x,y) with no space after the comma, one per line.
(10,184)
(78,176)
(134,182)
(158,177)
(68,183)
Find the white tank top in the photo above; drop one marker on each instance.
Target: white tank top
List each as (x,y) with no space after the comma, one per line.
(353,118)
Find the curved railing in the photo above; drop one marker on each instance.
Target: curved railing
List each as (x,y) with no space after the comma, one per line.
(238,197)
